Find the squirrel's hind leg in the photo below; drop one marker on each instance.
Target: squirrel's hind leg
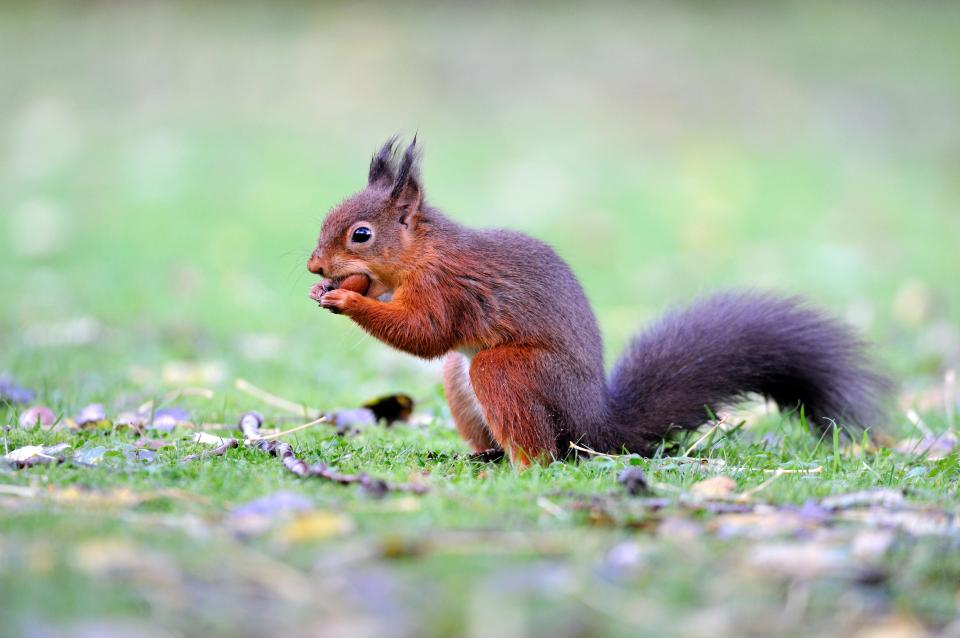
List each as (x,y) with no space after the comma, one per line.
(464,407)
(505,380)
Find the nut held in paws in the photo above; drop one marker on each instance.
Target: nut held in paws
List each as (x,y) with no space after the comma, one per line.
(358,283)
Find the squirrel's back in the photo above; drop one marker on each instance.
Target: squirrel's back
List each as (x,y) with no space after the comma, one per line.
(532,290)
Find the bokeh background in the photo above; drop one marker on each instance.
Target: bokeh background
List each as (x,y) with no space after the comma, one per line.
(164,169)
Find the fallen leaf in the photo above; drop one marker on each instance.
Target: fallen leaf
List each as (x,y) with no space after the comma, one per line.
(23,453)
(135,420)
(273,504)
(90,456)
(717,487)
(259,515)
(166,419)
(38,415)
(31,455)
(91,414)
(139,455)
(315,526)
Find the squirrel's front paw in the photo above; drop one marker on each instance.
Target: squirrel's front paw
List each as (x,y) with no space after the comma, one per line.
(337,301)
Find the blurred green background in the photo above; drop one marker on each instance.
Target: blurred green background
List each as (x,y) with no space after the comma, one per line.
(165,168)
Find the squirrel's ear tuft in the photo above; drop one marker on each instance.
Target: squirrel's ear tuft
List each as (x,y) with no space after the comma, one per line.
(407,192)
(381,165)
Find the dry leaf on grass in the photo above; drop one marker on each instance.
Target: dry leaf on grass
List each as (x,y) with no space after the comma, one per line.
(166,419)
(315,526)
(717,487)
(38,415)
(30,455)
(259,515)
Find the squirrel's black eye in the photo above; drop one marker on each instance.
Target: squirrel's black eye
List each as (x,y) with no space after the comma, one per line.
(361,235)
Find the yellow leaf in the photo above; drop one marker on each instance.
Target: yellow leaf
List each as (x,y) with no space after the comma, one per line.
(315,526)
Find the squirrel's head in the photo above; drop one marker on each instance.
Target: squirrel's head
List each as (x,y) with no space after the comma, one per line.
(373,231)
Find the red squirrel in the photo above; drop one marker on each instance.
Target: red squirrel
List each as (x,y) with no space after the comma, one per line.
(523,370)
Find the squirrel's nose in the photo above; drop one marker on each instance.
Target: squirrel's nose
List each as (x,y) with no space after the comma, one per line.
(314,265)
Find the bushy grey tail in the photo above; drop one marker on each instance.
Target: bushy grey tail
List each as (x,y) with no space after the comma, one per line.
(728,345)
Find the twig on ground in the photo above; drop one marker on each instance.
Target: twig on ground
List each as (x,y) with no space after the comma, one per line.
(277,435)
(918,423)
(805,470)
(220,450)
(284,451)
(273,400)
(586,450)
(709,432)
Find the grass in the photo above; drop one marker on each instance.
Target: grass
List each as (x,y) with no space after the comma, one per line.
(165,170)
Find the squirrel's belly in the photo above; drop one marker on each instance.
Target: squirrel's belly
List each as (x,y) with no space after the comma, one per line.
(469,353)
